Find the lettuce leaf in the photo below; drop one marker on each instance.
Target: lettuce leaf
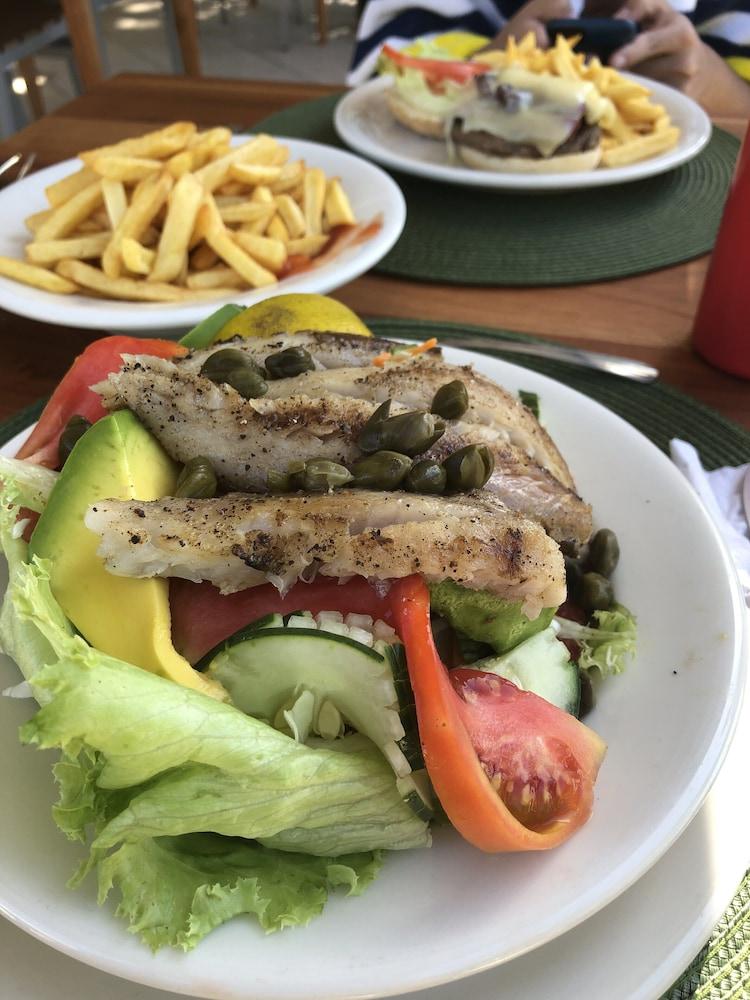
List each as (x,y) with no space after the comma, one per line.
(606,645)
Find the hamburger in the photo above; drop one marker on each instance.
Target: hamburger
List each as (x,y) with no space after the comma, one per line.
(428,85)
(524,122)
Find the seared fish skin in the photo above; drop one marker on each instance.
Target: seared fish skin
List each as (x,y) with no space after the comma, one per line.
(240,541)
(245,439)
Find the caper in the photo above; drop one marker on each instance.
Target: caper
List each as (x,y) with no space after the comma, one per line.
(322,475)
(289,362)
(75,428)
(295,475)
(573,577)
(469,468)
(384,470)
(408,433)
(235,368)
(451,400)
(426,477)
(197,479)
(604,552)
(596,592)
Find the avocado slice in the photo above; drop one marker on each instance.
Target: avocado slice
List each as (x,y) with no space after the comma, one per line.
(126,618)
(486,617)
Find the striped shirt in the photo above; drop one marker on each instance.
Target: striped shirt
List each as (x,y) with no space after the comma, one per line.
(722,24)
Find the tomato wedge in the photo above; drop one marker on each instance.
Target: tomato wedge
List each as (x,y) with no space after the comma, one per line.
(512,772)
(437,70)
(202,617)
(74,395)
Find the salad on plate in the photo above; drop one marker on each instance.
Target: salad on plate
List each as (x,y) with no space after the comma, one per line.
(288,598)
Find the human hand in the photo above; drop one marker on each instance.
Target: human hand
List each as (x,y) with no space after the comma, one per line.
(533,17)
(667,49)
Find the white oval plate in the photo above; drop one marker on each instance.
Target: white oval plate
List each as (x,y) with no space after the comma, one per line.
(364,122)
(371,192)
(437,915)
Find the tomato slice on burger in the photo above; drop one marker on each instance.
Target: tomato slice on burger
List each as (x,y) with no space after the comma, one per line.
(437,70)
(512,772)
(202,617)
(74,396)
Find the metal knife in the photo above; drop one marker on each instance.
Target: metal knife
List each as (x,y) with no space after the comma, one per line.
(611,363)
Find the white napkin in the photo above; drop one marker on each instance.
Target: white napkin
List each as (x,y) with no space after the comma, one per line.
(721,493)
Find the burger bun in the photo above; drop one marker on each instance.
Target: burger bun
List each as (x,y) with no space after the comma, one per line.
(565,163)
(412,118)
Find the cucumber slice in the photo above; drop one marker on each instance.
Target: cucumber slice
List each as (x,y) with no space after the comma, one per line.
(204,334)
(416,791)
(540,664)
(410,744)
(266,669)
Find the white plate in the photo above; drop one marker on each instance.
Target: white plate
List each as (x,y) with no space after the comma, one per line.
(435,916)
(658,925)
(370,190)
(364,122)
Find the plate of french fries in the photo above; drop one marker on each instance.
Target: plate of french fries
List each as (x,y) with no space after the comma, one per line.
(151,231)
(647,128)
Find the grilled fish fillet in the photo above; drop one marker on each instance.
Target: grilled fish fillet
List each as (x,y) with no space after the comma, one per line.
(302,418)
(240,541)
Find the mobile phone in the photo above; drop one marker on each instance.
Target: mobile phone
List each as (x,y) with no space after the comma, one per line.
(600,36)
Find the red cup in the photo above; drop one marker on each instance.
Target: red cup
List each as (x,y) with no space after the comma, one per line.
(721,330)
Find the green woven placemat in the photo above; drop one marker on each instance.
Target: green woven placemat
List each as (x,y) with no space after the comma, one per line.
(721,970)
(479,237)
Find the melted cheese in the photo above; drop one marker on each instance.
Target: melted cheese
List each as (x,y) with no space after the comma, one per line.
(548,112)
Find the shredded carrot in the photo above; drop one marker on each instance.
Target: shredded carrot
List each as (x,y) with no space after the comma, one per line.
(412,352)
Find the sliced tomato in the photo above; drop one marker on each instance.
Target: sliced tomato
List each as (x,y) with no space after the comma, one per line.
(202,617)
(437,70)
(512,772)
(74,395)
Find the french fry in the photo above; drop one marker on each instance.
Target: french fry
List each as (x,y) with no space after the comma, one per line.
(130,288)
(181,163)
(337,207)
(171,256)
(212,138)
(640,148)
(37,277)
(125,168)
(254,274)
(230,189)
(289,177)
(309,245)
(154,145)
(291,215)
(215,277)
(135,256)
(67,216)
(263,194)
(138,217)
(254,173)
(260,225)
(312,202)
(115,201)
(257,150)
(79,248)
(64,189)
(246,211)
(267,251)
(33,222)
(277,230)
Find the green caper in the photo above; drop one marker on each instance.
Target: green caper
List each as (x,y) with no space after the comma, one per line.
(75,428)
(573,577)
(451,400)
(604,552)
(426,477)
(235,368)
(289,362)
(596,592)
(197,479)
(322,475)
(408,433)
(469,468)
(383,470)
(295,475)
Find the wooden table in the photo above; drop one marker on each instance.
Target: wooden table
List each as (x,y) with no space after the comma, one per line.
(647,317)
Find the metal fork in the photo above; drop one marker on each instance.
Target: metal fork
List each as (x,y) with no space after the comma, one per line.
(26,160)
